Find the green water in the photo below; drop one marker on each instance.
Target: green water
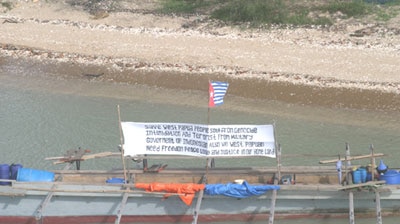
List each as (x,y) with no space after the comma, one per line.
(43,115)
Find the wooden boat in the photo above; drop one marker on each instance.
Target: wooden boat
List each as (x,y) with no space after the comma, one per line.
(92,196)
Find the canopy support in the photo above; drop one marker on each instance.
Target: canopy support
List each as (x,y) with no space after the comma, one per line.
(122,143)
(276,182)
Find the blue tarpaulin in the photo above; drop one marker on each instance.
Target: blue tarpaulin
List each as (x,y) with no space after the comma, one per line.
(243,190)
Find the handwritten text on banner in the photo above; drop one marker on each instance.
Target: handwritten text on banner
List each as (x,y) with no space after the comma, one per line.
(198,140)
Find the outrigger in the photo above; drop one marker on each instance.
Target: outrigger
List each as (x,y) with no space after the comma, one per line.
(163,194)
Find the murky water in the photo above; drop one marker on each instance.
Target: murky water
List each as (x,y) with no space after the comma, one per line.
(43,115)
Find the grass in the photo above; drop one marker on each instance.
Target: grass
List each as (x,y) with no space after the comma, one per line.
(294,12)
(7,5)
(186,6)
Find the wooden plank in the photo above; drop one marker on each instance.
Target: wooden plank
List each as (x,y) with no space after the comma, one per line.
(352,158)
(369,183)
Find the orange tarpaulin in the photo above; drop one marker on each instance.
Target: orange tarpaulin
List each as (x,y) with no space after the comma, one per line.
(186,191)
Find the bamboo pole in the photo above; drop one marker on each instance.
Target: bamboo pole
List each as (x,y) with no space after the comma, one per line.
(122,143)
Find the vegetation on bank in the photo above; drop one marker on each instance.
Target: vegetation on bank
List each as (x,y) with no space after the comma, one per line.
(254,13)
(294,12)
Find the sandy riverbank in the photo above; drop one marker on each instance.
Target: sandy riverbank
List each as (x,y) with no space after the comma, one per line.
(348,64)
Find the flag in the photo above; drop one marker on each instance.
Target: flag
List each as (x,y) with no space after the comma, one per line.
(217,91)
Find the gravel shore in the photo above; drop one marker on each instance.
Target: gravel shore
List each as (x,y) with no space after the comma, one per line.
(139,46)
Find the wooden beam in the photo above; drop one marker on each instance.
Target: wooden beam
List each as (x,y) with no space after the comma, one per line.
(272,208)
(84,157)
(369,183)
(121,208)
(199,199)
(276,182)
(372,163)
(198,205)
(350,158)
(42,206)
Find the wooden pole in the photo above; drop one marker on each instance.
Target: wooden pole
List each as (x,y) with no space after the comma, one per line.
(122,143)
(198,203)
(272,208)
(278,155)
(121,208)
(351,208)
(276,180)
(39,211)
(347,163)
(372,163)
(275,192)
(209,160)
(209,163)
(378,208)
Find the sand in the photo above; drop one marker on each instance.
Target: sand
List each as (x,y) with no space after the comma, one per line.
(138,42)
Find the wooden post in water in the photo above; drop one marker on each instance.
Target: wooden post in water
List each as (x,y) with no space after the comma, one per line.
(351,208)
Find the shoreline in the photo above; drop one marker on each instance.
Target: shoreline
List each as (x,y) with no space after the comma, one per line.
(305,66)
(253,88)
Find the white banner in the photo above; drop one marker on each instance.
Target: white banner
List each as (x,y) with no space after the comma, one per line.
(198,140)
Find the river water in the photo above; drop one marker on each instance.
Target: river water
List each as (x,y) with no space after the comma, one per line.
(43,115)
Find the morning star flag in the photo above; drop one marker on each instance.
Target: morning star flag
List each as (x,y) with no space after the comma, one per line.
(217,91)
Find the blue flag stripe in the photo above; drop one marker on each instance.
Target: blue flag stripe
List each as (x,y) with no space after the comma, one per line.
(220,89)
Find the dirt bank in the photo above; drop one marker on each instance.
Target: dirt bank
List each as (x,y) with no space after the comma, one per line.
(351,64)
